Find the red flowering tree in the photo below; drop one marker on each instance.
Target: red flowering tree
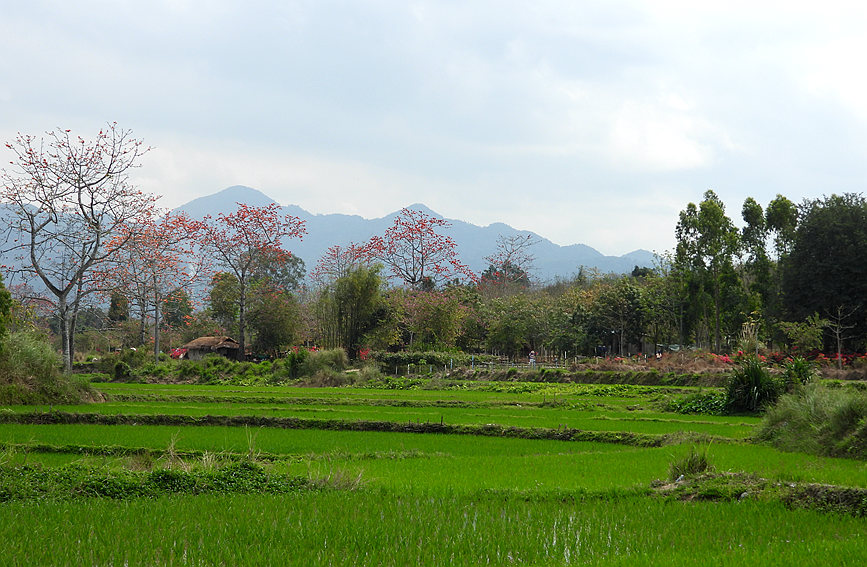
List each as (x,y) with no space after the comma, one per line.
(70,198)
(416,252)
(241,241)
(155,260)
(338,261)
(510,265)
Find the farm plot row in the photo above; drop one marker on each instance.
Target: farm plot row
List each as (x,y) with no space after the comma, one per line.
(518,415)
(372,527)
(409,460)
(415,498)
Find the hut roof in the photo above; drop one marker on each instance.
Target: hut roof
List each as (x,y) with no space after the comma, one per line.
(212,343)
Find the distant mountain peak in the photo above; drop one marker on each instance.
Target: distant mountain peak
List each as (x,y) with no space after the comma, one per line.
(226,201)
(475,243)
(244,194)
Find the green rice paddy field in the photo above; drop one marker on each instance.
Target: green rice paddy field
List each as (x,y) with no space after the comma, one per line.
(393,497)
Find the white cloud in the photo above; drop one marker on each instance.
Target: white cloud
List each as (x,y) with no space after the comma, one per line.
(578,120)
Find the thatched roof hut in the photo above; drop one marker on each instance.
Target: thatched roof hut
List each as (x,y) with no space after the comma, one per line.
(198,348)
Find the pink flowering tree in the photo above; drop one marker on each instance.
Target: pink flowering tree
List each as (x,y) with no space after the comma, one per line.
(70,198)
(338,261)
(155,259)
(241,241)
(416,252)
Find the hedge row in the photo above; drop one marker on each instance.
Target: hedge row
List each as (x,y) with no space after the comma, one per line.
(487,430)
(563,376)
(75,481)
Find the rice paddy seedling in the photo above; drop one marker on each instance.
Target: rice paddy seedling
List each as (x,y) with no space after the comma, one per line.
(398,498)
(371,527)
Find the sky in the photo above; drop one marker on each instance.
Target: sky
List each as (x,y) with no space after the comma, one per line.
(592,122)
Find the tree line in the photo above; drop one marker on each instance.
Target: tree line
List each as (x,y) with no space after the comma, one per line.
(83,237)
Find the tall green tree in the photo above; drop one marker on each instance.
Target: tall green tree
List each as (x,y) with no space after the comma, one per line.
(275,318)
(617,314)
(707,243)
(223,301)
(826,270)
(781,219)
(349,308)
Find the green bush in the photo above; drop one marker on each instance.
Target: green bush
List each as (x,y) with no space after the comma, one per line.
(334,360)
(708,403)
(750,388)
(437,359)
(122,370)
(798,372)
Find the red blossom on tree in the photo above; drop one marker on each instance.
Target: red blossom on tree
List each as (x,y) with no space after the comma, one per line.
(241,241)
(155,258)
(511,263)
(70,198)
(338,261)
(416,252)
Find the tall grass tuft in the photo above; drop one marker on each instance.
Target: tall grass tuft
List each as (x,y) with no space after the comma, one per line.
(750,388)
(30,373)
(820,421)
(693,463)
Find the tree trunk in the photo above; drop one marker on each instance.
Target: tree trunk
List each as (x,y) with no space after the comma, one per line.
(242,319)
(156,328)
(716,306)
(65,343)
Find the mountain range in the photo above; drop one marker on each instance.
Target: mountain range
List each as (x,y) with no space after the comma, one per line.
(474,243)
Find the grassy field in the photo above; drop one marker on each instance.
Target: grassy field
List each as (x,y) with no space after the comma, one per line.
(400,498)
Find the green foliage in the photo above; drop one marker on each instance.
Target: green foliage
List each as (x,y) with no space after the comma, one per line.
(223,300)
(827,267)
(693,463)
(274,318)
(805,336)
(290,365)
(177,309)
(400,360)
(334,359)
(122,370)
(798,372)
(118,309)
(750,388)
(820,421)
(707,242)
(76,481)
(708,403)
(350,308)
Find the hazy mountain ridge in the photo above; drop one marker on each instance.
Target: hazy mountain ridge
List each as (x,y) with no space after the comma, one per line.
(474,242)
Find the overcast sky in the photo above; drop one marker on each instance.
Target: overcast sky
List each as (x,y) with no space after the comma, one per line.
(586,122)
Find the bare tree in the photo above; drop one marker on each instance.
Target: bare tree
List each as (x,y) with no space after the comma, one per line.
(70,198)
(510,266)
(838,322)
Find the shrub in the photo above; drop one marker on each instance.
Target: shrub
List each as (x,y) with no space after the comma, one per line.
(798,372)
(290,366)
(708,403)
(122,370)
(750,387)
(334,360)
